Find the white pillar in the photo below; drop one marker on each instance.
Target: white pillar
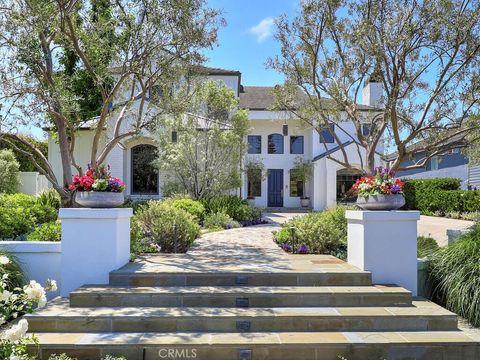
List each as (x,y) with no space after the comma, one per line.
(94,242)
(385,243)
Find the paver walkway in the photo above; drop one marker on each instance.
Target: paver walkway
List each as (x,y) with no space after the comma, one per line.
(249,249)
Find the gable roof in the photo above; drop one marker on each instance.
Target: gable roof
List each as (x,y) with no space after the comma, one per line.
(262,98)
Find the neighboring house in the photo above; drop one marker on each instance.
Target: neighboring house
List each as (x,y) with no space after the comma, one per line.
(451,164)
(275,138)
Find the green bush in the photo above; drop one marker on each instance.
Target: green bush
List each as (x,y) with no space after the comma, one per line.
(440,194)
(323,232)
(20,213)
(160,223)
(9,174)
(193,207)
(220,220)
(455,276)
(425,246)
(51,231)
(16,277)
(50,198)
(231,205)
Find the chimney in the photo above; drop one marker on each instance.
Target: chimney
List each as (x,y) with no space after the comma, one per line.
(373,91)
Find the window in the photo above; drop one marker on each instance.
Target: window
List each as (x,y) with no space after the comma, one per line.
(345,181)
(144,174)
(254,144)
(296,185)
(434,163)
(155,92)
(255,186)
(296,144)
(365,129)
(275,144)
(326,134)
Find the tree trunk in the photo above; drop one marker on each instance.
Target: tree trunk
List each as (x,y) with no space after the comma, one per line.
(64,154)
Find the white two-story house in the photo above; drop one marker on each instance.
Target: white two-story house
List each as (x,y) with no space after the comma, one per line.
(276,139)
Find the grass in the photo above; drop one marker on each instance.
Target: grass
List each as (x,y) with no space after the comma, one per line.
(455,276)
(425,246)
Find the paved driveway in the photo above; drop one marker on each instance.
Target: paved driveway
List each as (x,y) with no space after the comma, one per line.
(432,226)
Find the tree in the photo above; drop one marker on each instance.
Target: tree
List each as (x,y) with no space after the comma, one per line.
(66,60)
(22,158)
(424,53)
(202,148)
(9,177)
(255,171)
(302,171)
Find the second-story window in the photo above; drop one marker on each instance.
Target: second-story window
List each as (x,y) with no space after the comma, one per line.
(326,134)
(365,129)
(254,144)
(275,144)
(296,144)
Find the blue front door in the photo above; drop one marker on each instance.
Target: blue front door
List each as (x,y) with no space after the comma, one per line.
(275,187)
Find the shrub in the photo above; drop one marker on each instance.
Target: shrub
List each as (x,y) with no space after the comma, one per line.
(323,232)
(425,246)
(19,213)
(193,207)
(455,275)
(231,205)
(9,174)
(418,192)
(51,231)
(163,224)
(220,220)
(16,277)
(50,198)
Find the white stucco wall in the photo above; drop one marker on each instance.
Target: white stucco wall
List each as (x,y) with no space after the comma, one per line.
(283,161)
(82,152)
(32,183)
(40,260)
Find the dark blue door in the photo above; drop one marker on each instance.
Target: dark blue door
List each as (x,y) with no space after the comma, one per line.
(275,187)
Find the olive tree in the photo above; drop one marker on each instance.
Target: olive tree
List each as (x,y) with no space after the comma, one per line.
(201,150)
(424,53)
(64,61)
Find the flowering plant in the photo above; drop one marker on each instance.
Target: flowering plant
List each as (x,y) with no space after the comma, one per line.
(13,304)
(97,178)
(382,183)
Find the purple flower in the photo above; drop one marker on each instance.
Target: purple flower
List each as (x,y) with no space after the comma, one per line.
(286,247)
(395,189)
(303,249)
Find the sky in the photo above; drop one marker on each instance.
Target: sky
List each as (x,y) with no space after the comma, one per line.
(247,41)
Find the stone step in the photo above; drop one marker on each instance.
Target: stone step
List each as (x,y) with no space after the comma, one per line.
(246,296)
(421,316)
(434,345)
(331,278)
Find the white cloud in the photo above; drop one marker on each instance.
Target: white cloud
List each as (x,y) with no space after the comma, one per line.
(264,29)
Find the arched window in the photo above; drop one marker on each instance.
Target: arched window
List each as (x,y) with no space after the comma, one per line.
(275,144)
(144,174)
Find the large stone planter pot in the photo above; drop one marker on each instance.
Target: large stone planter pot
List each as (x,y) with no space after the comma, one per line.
(381,202)
(305,202)
(98,199)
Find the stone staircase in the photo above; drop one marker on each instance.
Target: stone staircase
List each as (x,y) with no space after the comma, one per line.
(203,307)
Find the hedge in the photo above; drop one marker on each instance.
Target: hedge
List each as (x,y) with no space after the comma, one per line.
(441,195)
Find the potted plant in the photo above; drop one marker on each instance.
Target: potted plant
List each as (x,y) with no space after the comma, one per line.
(380,191)
(302,170)
(97,188)
(255,171)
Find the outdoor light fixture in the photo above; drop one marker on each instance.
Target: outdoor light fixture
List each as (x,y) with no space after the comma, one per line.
(174,136)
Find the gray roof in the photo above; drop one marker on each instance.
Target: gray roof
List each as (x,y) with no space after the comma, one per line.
(262,98)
